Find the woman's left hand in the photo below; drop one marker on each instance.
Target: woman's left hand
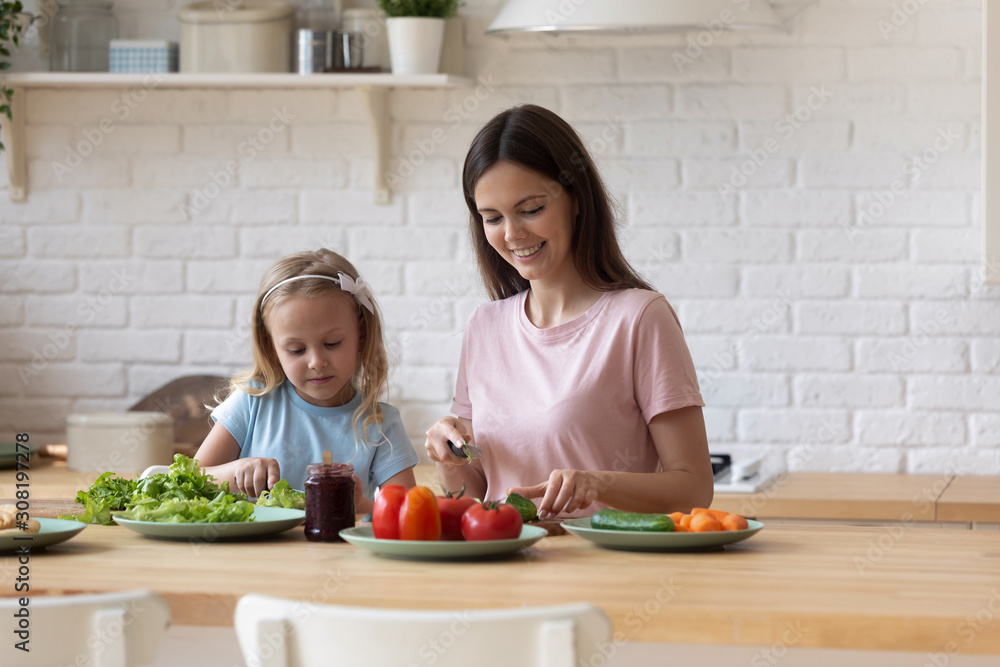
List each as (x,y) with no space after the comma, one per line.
(565,491)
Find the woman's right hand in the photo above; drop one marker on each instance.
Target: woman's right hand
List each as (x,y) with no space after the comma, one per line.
(438,435)
(254,475)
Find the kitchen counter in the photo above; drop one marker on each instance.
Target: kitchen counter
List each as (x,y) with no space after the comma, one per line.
(969,498)
(915,589)
(840,496)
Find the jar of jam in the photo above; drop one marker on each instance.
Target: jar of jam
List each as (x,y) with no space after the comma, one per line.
(329,501)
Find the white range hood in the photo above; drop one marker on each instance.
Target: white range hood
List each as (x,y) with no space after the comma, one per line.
(632,16)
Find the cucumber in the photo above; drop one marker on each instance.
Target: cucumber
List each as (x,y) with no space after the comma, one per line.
(527,508)
(618,520)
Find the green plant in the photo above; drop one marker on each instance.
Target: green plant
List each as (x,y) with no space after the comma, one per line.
(11,26)
(440,9)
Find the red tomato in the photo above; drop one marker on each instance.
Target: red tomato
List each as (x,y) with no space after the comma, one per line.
(385,515)
(419,518)
(452,506)
(491,521)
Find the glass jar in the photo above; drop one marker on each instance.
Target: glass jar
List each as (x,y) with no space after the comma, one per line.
(329,501)
(80,36)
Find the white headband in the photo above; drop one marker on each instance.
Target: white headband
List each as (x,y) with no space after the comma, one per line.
(348,284)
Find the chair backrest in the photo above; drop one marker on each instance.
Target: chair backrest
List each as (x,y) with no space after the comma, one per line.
(275,632)
(112,630)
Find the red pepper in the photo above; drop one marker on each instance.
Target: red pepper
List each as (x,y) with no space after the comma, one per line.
(419,518)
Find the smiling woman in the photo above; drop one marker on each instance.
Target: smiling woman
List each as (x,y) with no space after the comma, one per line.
(575,381)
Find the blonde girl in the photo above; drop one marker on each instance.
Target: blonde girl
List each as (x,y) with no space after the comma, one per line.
(319,369)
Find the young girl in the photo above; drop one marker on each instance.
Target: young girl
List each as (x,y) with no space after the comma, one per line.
(319,368)
(575,381)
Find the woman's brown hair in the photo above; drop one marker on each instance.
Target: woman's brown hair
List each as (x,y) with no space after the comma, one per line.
(541,141)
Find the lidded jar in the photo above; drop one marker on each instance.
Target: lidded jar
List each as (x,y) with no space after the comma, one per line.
(329,501)
(80,36)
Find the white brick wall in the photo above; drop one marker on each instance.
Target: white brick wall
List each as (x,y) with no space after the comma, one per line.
(828,293)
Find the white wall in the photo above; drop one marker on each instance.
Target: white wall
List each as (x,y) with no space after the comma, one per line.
(831,302)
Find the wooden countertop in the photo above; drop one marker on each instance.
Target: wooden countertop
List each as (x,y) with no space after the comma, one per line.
(813,495)
(971,499)
(839,587)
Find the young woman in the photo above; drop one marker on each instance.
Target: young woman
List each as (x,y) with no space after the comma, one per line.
(575,380)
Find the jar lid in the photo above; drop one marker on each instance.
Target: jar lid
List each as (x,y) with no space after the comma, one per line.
(332,470)
(248,11)
(142,419)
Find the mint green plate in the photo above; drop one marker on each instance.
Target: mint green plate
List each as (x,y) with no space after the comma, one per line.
(9,450)
(53,531)
(363,537)
(635,540)
(267,521)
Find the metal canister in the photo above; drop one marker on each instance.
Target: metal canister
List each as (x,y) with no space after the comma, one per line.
(315,51)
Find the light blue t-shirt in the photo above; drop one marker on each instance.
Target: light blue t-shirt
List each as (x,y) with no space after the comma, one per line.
(282,425)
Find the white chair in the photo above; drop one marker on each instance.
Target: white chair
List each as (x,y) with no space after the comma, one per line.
(111,630)
(275,632)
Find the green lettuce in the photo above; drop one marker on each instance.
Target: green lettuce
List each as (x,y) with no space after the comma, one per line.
(108,492)
(282,495)
(184,494)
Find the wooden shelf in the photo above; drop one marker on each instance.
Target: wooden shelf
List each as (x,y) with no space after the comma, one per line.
(180,81)
(374,87)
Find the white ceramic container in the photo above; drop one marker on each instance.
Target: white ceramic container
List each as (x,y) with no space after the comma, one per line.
(246,37)
(119,441)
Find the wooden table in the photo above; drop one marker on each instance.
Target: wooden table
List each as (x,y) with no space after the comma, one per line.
(898,587)
(840,587)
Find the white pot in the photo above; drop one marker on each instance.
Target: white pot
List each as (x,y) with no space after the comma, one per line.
(415,44)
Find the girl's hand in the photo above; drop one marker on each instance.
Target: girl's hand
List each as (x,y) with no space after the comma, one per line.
(254,475)
(438,435)
(565,491)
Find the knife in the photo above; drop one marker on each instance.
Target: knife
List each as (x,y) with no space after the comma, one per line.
(468,452)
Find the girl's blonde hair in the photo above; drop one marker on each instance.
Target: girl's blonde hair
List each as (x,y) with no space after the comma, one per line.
(371,377)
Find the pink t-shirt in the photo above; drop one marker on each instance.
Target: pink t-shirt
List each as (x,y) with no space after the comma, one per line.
(575,396)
